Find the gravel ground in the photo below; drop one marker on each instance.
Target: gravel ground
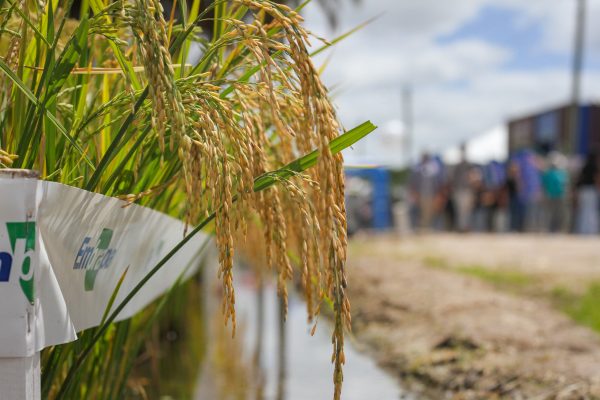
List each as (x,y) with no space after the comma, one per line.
(448,335)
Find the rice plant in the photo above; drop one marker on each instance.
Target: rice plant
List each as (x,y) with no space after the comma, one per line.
(217,128)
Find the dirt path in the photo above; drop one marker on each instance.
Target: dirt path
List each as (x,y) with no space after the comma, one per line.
(570,261)
(447,333)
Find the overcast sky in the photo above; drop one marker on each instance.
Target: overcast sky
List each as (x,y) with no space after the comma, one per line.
(472,64)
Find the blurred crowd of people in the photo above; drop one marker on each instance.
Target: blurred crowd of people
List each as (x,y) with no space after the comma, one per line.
(529,193)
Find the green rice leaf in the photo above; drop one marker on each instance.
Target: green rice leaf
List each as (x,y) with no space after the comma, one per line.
(114,145)
(261,183)
(67,61)
(342,37)
(19,83)
(29,23)
(338,144)
(114,294)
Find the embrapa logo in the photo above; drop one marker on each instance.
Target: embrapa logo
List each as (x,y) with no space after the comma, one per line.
(21,236)
(94,258)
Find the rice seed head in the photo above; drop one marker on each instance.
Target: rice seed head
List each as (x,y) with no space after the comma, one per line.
(224,142)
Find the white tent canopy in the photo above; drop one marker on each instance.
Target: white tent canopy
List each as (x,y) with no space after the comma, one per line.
(387,146)
(490,146)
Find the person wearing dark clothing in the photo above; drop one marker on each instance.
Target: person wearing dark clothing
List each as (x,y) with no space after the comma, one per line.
(514,202)
(463,193)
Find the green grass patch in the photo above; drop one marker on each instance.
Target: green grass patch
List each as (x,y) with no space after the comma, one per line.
(435,262)
(503,278)
(582,308)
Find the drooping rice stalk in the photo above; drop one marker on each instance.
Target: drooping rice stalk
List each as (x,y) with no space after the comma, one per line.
(192,137)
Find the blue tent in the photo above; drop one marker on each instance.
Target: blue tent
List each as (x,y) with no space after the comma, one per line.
(381,199)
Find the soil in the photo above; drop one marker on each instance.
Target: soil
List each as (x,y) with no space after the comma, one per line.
(448,335)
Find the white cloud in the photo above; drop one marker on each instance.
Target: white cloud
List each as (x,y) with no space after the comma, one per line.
(398,19)
(461,88)
(557,19)
(379,64)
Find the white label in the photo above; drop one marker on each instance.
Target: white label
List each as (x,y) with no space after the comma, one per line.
(82,245)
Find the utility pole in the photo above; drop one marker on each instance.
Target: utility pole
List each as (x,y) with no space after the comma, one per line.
(578,50)
(407,119)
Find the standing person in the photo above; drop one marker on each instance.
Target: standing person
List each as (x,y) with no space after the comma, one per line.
(512,190)
(424,190)
(587,197)
(554,183)
(498,218)
(479,211)
(462,192)
(531,191)
(447,209)
(440,194)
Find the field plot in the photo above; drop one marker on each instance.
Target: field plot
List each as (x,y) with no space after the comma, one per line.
(481,316)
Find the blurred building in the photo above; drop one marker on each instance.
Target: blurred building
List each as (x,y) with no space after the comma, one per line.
(549,130)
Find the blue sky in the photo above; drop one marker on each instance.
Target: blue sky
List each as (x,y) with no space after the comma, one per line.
(500,26)
(504,26)
(472,64)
